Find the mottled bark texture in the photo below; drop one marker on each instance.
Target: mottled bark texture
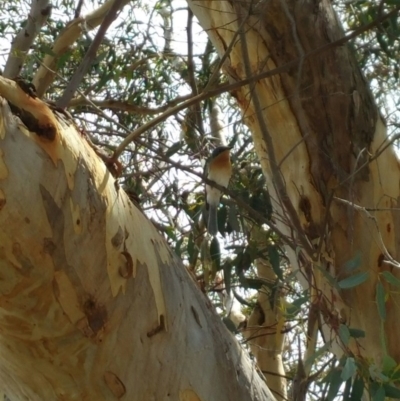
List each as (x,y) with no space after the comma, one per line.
(93,303)
(321,139)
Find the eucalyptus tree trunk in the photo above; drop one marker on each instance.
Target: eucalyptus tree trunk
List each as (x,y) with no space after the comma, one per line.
(93,303)
(322,146)
(265,328)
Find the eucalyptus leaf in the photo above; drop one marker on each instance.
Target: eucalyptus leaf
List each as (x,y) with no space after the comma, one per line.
(349,369)
(344,334)
(390,278)
(274,258)
(357,389)
(380,300)
(353,281)
(353,263)
(335,381)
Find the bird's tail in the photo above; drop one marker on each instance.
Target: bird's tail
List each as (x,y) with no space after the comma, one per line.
(212,220)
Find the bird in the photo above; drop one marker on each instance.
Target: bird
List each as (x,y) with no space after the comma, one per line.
(218,169)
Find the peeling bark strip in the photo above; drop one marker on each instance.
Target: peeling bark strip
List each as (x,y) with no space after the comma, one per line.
(325,134)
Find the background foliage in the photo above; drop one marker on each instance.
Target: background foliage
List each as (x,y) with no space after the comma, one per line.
(155,56)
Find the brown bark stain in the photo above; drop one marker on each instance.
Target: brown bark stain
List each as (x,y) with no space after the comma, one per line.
(49,246)
(118,238)
(33,112)
(159,328)
(95,313)
(43,129)
(3,167)
(126,270)
(3,200)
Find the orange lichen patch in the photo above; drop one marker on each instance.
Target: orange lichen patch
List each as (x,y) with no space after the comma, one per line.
(188,395)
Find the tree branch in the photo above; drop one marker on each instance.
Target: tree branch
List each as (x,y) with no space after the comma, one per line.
(89,56)
(40,11)
(68,36)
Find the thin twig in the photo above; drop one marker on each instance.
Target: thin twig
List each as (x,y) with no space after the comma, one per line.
(191,71)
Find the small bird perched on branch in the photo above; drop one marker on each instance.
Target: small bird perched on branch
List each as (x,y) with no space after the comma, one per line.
(219,170)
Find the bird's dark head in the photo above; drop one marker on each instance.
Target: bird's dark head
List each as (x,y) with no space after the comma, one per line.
(220,149)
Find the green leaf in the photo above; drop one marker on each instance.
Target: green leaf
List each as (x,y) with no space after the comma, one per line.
(346,391)
(215,253)
(173,149)
(274,258)
(232,218)
(390,278)
(47,50)
(353,281)
(349,369)
(335,381)
(222,215)
(227,276)
(353,263)
(294,308)
(388,364)
(229,325)
(380,300)
(100,57)
(190,246)
(243,262)
(356,333)
(358,389)
(379,394)
(321,351)
(391,391)
(253,283)
(344,334)
(376,374)
(178,249)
